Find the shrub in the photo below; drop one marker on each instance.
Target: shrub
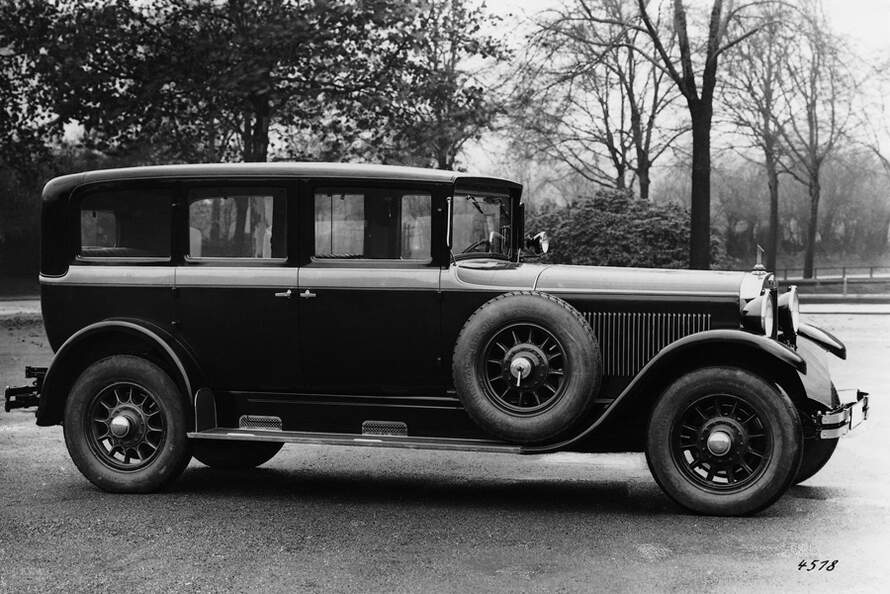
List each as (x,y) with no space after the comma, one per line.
(612,228)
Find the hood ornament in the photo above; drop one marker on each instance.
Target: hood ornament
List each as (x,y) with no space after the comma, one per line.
(758,265)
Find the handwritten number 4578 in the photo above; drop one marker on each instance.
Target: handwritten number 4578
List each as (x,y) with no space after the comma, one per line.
(817,565)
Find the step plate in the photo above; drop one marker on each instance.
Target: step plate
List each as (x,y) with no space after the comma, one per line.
(349,439)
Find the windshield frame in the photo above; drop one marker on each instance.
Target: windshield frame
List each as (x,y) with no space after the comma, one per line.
(506,198)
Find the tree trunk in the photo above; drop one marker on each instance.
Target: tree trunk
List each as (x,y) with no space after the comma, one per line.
(815,191)
(772,240)
(700,232)
(643,179)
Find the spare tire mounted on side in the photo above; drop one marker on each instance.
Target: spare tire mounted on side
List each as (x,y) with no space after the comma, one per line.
(527,367)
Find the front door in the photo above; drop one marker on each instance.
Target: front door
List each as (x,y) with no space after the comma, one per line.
(369,294)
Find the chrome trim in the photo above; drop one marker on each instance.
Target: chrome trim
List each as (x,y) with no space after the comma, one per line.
(448,207)
(848,417)
(117,276)
(628,341)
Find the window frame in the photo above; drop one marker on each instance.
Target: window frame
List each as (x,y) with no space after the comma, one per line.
(273,184)
(436,191)
(74,225)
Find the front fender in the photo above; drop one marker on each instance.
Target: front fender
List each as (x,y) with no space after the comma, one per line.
(712,347)
(66,363)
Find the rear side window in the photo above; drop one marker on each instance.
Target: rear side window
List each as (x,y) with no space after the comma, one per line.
(372,224)
(238,223)
(126,224)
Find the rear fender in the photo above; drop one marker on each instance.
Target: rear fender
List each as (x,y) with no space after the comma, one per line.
(106,338)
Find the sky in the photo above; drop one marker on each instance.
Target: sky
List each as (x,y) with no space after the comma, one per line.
(866,22)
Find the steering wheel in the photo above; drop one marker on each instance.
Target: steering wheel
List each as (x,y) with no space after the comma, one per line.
(488,243)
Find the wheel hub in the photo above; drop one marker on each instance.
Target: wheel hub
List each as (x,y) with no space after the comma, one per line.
(525,365)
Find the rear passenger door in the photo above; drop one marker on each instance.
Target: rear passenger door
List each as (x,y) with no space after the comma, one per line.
(234,284)
(369,289)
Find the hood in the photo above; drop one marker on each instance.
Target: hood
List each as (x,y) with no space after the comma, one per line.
(652,281)
(601,279)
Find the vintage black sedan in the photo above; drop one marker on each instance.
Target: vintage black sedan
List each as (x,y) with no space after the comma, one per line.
(220,311)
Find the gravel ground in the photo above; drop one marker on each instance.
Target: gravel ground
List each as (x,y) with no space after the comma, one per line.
(355,519)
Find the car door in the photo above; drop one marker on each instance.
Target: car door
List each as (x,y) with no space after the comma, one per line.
(234,285)
(369,289)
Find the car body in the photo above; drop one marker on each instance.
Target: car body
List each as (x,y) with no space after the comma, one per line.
(324,303)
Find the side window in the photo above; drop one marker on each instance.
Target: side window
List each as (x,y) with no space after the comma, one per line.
(372,224)
(125,224)
(237,223)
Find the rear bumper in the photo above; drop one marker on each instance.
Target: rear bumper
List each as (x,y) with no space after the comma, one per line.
(843,419)
(25,396)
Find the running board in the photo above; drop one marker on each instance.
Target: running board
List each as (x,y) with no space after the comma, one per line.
(350,439)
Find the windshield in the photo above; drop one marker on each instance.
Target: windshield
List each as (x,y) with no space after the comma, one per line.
(481,225)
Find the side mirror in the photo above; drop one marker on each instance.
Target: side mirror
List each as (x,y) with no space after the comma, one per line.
(538,244)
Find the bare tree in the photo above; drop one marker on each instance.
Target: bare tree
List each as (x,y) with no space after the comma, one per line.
(751,100)
(817,109)
(593,104)
(693,68)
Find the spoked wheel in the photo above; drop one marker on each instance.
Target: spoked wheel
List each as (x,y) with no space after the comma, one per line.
(125,425)
(527,367)
(524,368)
(722,441)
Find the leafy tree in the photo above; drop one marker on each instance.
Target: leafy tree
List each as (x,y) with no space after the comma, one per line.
(209,80)
(447,93)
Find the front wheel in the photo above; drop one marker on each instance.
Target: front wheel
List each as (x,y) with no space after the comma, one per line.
(125,425)
(724,442)
(233,455)
(816,454)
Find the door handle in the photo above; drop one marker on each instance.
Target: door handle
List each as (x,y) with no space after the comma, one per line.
(307,294)
(286,294)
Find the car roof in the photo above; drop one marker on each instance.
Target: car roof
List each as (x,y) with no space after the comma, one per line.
(284,169)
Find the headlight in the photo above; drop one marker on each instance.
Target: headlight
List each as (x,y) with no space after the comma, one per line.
(758,314)
(789,311)
(767,322)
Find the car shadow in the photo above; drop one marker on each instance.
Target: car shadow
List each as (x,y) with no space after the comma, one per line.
(538,494)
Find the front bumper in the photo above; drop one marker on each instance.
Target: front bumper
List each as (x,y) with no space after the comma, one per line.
(843,419)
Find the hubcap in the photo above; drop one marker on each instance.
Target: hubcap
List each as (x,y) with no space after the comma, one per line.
(119,426)
(719,442)
(520,368)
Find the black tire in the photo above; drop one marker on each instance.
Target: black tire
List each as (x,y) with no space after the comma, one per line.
(153,451)
(562,362)
(234,455)
(719,408)
(816,454)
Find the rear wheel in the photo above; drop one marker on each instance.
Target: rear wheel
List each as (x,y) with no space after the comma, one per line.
(125,425)
(232,455)
(722,441)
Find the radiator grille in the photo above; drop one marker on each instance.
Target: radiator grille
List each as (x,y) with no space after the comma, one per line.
(259,423)
(630,340)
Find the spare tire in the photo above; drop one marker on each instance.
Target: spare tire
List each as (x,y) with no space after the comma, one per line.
(527,367)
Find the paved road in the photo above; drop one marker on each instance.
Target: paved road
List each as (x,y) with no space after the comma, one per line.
(354,519)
